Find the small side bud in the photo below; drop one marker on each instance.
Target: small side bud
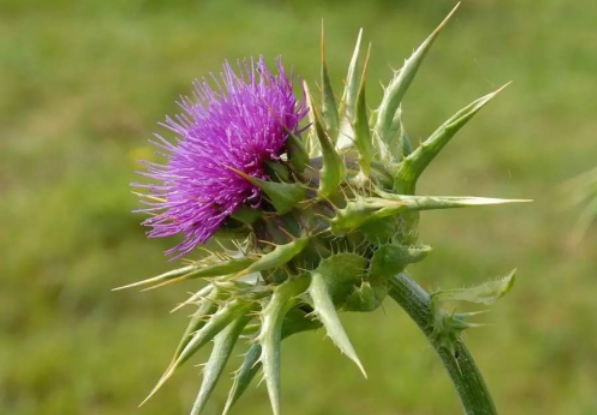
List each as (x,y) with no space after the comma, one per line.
(485,294)
(391,259)
(448,327)
(364,298)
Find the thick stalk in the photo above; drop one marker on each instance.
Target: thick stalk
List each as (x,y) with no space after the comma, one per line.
(463,371)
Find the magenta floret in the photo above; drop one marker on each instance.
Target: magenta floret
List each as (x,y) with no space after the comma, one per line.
(240,124)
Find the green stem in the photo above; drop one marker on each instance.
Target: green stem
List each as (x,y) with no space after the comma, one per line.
(463,371)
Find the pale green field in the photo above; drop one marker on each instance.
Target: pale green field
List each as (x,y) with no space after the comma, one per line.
(82,85)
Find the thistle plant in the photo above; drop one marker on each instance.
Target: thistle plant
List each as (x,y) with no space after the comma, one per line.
(312,203)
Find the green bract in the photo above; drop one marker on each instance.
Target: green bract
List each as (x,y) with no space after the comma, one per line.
(340,219)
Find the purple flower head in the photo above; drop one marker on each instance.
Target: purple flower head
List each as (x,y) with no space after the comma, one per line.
(240,124)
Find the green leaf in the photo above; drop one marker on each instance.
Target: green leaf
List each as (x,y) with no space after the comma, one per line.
(295,321)
(395,92)
(246,215)
(225,315)
(349,99)
(281,255)
(342,272)
(283,299)
(417,203)
(201,269)
(243,377)
(362,132)
(326,312)
(223,345)
(283,196)
(207,307)
(329,109)
(362,210)
(333,170)
(199,296)
(413,166)
(297,154)
(313,147)
(403,146)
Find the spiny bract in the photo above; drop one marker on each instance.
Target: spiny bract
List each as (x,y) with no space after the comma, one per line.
(339,219)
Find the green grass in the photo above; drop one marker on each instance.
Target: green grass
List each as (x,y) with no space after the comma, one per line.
(82,85)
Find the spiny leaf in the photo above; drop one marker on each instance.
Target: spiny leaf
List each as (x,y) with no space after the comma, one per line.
(224,316)
(326,312)
(246,215)
(313,146)
(395,92)
(295,322)
(229,312)
(283,196)
(278,257)
(329,109)
(403,147)
(349,99)
(485,294)
(223,344)
(416,203)
(362,210)
(297,154)
(230,288)
(333,170)
(198,296)
(362,132)
(200,269)
(358,212)
(283,299)
(175,273)
(342,271)
(207,307)
(413,166)
(276,170)
(249,368)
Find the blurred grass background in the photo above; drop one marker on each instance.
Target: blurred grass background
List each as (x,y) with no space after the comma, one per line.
(82,85)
